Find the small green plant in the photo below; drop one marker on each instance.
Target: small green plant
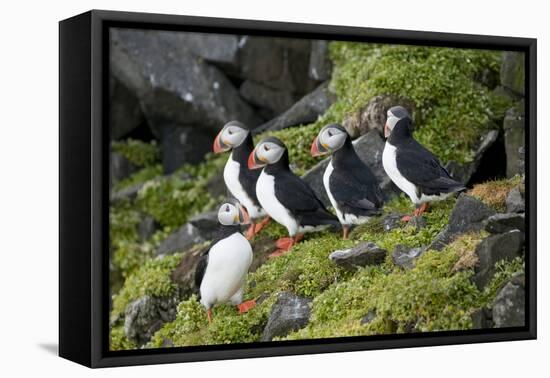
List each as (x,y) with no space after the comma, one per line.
(137,152)
(143,175)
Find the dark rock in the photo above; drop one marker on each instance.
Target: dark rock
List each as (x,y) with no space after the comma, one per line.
(464,173)
(306,110)
(374,114)
(278,63)
(515,202)
(418,222)
(468,215)
(120,168)
(361,255)
(488,77)
(482,318)
(173,86)
(184,238)
(128,193)
(391,222)
(289,314)
(125,112)
(521,162)
(500,223)
(145,316)
(272,102)
(222,49)
(369,147)
(512,71)
(369,317)
(404,256)
(182,144)
(146,228)
(493,249)
(509,305)
(514,139)
(320,67)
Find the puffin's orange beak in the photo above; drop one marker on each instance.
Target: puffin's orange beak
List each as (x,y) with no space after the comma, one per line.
(218,146)
(245,218)
(252,164)
(314,148)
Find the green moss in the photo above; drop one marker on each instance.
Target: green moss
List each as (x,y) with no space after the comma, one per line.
(143,175)
(172,200)
(137,152)
(118,339)
(153,278)
(432,296)
(192,328)
(505,269)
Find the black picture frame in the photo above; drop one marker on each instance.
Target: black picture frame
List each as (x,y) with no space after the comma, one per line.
(84,198)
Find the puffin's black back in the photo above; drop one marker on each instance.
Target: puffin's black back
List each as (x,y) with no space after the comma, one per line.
(418,165)
(295,195)
(247,177)
(352,183)
(222,233)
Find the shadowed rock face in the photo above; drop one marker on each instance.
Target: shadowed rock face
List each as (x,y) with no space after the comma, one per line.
(509,305)
(289,313)
(514,139)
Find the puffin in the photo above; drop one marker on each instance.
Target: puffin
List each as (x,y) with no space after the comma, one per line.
(286,197)
(350,185)
(221,270)
(241,181)
(413,168)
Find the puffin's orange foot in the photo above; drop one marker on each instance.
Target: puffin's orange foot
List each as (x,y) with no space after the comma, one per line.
(284,243)
(406,218)
(246,306)
(209,314)
(278,252)
(250,232)
(260,226)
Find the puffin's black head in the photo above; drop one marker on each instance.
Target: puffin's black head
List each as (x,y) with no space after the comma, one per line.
(331,138)
(394,115)
(232,213)
(269,151)
(231,135)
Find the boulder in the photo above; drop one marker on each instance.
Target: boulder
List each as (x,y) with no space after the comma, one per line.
(391,222)
(146,228)
(509,305)
(128,193)
(182,239)
(220,49)
(464,172)
(271,102)
(515,203)
(144,316)
(512,71)
(306,110)
(514,139)
(373,115)
(320,66)
(289,313)
(500,223)
(174,86)
(404,256)
(120,168)
(369,317)
(361,255)
(125,112)
(482,318)
(468,215)
(493,249)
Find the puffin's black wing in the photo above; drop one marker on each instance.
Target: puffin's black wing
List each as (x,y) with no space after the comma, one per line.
(200,269)
(419,166)
(356,190)
(295,195)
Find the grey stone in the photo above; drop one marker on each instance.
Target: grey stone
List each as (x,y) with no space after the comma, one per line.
(361,255)
(482,318)
(391,222)
(271,102)
(468,215)
(373,115)
(404,256)
(184,238)
(320,66)
(181,145)
(514,139)
(146,315)
(222,49)
(290,313)
(512,71)
(128,193)
(174,86)
(120,168)
(125,112)
(305,111)
(509,305)
(500,223)
(369,317)
(515,202)
(493,249)
(146,228)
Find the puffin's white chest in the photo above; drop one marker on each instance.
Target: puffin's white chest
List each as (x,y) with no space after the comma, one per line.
(265,190)
(228,263)
(231,178)
(390,166)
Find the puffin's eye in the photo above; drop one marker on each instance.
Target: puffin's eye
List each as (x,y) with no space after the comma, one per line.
(329,133)
(227,209)
(230,132)
(266,148)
